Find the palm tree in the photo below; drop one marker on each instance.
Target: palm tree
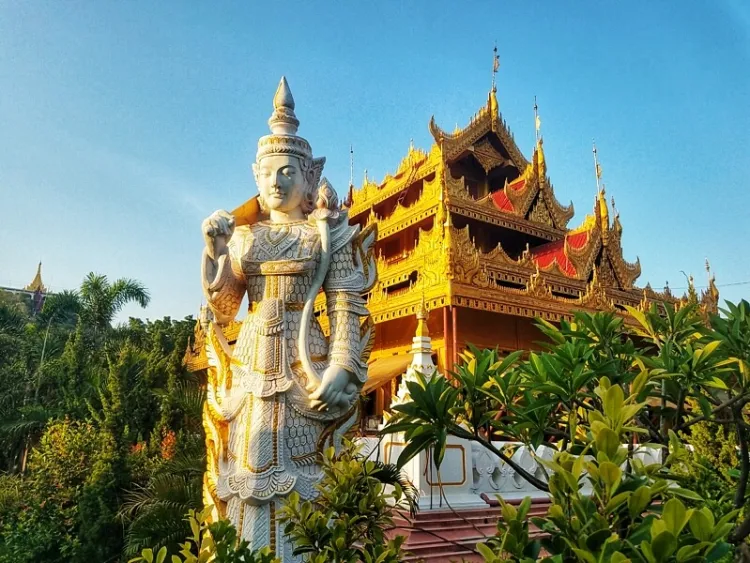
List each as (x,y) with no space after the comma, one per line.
(60,308)
(101,300)
(155,513)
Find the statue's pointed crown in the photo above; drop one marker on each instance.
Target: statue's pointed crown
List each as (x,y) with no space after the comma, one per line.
(283,124)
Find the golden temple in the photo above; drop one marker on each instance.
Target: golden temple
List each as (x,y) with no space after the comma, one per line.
(475,231)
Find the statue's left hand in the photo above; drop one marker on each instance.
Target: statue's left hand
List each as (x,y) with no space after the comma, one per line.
(335,390)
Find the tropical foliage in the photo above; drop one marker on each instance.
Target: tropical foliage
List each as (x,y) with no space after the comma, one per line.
(214,542)
(347,522)
(100,435)
(608,398)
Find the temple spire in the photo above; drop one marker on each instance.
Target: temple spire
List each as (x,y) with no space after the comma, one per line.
(36,284)
(537,120)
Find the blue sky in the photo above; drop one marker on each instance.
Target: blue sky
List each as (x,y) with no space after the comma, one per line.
(123,124)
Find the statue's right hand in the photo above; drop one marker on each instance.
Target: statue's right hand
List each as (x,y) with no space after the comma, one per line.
(217,230)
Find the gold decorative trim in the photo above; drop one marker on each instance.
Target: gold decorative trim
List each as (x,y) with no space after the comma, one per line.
(387,457)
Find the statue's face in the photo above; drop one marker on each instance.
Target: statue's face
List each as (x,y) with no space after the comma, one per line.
(281,183)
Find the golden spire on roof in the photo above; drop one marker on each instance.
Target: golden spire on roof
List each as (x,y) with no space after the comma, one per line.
(36,284)
(601,196)
(603,209)
(422,315)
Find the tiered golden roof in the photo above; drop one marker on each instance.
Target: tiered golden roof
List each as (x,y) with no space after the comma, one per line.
(472,223)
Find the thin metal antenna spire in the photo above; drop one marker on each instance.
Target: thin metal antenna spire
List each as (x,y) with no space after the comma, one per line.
(351,165)
(537,120)
(495,67)
(597,168)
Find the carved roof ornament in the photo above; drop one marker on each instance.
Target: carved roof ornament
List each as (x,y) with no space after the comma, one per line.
(645,304)
(487,156)
(486,120)
(533,185)
(710,296)
(596,295)
(465,254)
(526,258)
(667,291)
(537,287)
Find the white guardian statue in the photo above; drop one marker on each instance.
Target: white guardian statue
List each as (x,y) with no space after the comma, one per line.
(285,390)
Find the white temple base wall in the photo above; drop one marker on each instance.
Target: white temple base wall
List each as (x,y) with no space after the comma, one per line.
(455,476)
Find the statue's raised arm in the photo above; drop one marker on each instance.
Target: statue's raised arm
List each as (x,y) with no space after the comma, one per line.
(285,389)
(223,283)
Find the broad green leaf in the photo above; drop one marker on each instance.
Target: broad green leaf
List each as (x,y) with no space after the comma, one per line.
(607,441)
(688,551)
(663,545)
(639,500)
(685,493)
(610,473)
(675,516)
(702,524)
(616,501)
(584,555)
(647,552)
(717,383)
(613,401)
(486,552)
(596,540)
(718,551)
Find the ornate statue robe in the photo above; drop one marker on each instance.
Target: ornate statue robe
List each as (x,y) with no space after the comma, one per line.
(262,435)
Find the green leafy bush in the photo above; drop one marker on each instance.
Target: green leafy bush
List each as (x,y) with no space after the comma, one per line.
(347,522)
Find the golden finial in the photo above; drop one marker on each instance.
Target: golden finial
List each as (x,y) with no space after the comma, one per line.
(537,120)
(422,315)
(603,210)
(448,219)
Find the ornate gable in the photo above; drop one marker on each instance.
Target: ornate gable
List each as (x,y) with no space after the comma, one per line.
(486,120)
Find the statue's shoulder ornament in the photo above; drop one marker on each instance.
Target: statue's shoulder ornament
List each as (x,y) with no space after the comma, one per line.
(342,232)
(361,255)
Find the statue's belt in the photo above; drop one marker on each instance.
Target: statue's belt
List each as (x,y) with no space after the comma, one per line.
(280,267)
(288,306)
